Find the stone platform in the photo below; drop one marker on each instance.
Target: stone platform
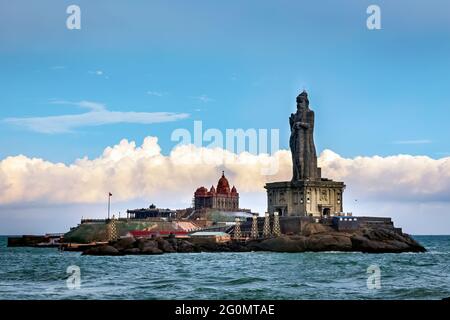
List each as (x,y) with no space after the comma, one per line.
(305,197)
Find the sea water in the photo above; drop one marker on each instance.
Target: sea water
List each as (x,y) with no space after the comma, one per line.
(42,273)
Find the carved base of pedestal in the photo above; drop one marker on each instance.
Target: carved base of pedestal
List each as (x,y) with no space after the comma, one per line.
(305,197)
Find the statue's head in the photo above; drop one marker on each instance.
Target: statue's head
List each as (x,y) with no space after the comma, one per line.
(302,100)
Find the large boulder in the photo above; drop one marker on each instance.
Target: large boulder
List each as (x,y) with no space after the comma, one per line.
(132,251)
(173,242)
(329,242)
(146,243)
(209,246)
(185,246)
(370,240)
(384,241)
(237,246)
(105,250)
(124,243)
(315,242)
(165,246)
(284,244)
(313,228)
(151,250)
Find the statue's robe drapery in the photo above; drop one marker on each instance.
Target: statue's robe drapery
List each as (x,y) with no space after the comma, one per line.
(303,150)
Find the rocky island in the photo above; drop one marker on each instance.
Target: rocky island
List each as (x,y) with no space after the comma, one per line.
(304,214)
(315,238)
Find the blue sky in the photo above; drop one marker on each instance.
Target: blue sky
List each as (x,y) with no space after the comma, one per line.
(231,64)
(249,57)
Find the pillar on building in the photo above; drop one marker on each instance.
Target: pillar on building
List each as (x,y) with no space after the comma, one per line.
(237,229)
(276,231)
(254,233)
(266,229)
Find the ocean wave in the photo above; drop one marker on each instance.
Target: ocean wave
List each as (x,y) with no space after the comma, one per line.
(244,280)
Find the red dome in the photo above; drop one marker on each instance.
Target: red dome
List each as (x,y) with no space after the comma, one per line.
(212,190)
(233,190)
(201,191)
(223,186)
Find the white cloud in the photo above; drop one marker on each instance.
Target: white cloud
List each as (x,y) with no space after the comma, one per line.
(132,172)
(203,98)
(96,72)
(97,115)
(393,178)
(93,106)
(99,73)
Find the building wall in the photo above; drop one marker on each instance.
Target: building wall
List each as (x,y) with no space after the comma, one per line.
(203,202)
(210,239)
(309,198)
(222,202)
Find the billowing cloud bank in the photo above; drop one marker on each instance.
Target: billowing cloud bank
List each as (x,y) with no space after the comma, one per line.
(394,178)
(132,172)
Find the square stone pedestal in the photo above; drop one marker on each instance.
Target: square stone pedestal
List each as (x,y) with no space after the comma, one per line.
(305,197)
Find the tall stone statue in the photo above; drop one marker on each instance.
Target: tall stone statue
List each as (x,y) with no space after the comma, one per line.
(303,150)
(307,194)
